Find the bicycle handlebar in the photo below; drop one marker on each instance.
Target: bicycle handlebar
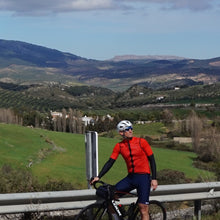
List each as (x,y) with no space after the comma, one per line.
(99,182)
(95,184)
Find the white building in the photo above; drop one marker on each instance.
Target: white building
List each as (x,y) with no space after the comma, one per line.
(87,120)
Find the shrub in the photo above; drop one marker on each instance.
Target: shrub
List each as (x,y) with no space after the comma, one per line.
(15,180)
(168,176)
(56,185)
(217,170)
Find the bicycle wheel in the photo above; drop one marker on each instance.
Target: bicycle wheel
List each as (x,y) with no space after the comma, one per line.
(156,211)
(94,212)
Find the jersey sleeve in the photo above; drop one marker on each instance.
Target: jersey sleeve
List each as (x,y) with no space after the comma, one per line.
(115,152)
(146,147)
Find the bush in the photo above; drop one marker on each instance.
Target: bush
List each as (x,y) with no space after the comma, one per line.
(149,139)
(16,180)
(217,170)
(57,185)
(168,176)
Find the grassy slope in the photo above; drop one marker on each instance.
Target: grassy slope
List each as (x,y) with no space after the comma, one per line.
(62,155)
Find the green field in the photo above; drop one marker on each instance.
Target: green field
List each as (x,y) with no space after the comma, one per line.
(61,156)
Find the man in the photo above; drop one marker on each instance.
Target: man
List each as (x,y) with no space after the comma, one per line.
(137,154)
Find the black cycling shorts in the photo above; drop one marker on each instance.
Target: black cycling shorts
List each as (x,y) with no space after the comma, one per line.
(141,182)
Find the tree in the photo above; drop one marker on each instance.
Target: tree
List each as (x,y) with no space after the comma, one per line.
(70,120)
(48,121)
(167,116)
(79,123)
(59,124)
(64,116)
(210,147)
(10,116)
(195,127)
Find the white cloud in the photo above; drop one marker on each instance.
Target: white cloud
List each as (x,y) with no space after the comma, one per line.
(54,6)
(39,7)
(90,5)
(195,5)
(179,4)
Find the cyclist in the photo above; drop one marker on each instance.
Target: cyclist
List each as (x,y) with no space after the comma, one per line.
(139,159)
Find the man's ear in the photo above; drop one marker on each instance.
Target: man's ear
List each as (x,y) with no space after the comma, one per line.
(121,133)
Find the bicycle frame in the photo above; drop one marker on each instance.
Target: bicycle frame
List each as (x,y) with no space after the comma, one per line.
(111,202)
(103,209)
(116,208)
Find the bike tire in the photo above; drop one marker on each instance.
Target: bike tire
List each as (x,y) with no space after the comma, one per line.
(156,211)
(94,212)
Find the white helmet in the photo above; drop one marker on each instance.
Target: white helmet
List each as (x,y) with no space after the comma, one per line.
(122,125)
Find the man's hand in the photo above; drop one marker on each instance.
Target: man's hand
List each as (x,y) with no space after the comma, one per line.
(94,179)
(154,184)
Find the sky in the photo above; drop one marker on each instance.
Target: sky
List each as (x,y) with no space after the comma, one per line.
(102,29)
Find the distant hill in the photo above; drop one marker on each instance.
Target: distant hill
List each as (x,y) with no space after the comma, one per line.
(24,63)
(143,57)
(24,53)
(55,97)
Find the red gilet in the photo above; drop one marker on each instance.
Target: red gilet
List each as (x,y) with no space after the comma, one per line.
(135,152)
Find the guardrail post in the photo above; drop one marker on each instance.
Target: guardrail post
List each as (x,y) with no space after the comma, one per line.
(27,216)
(197,209)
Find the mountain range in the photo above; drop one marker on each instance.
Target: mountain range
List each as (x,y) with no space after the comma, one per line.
(24,63)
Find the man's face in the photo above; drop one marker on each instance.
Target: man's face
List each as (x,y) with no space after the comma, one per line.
(127,133)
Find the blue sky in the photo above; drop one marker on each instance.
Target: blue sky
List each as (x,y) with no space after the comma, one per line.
(102,29)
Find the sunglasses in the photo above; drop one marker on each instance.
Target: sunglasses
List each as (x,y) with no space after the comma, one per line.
(128,128)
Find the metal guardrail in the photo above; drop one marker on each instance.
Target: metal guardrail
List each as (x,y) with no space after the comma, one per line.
(76,199)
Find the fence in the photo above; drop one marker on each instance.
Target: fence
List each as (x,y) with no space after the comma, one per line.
(77,199)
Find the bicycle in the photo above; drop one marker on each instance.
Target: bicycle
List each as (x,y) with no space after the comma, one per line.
(101,209)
